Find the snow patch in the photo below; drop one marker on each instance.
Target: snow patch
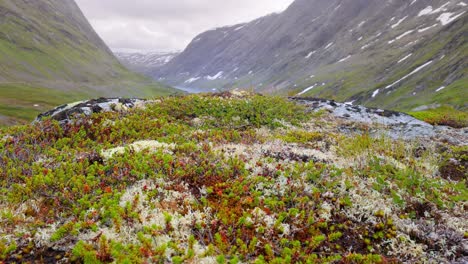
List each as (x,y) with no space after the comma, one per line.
(375,93)
(440,89)
(401,36)
(410,74)
(446,18)
(425,11)
(414,1)
(404,58)
(191,80)
(329,45)
(461,4)
(427,28)
(214,77)
(310,54)
(428,10)
(239,28)
(345,58)
(399,22)
(360,38)
(362,23)
(307,89)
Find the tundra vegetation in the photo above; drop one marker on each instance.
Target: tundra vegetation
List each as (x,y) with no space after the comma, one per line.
(227,178)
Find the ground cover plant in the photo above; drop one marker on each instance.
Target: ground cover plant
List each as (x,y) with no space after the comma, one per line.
(226,178)
(443,116)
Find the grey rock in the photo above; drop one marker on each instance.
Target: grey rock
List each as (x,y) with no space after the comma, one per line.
(66,113)
(394,124)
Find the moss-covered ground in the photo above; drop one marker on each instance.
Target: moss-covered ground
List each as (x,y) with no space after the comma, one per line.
(445,115)
(226,178)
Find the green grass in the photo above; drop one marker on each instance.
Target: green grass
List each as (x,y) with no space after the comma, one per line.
(21,103)
(376,68)
(50,57)
(446,116)
(17,101)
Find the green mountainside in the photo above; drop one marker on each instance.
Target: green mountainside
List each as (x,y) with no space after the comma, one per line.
(398,54)
(49,54)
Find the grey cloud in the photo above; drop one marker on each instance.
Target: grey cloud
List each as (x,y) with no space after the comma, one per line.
(162,25)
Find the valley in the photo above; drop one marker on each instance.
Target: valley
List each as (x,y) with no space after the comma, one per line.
(394,54)
(335,131)
(50,54)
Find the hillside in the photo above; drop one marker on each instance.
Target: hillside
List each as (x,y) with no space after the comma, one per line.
(49,54)
(232,178)
(145,62)
(394,54)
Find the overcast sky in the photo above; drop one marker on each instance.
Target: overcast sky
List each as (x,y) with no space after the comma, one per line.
(168,25)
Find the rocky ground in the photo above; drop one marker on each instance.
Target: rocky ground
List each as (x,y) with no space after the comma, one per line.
(393,124)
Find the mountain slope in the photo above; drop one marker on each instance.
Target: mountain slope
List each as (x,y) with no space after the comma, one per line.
(50,54)
(145,63)
(339,49)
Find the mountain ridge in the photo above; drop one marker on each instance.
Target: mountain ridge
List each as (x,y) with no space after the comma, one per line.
(50,54)
(347,49)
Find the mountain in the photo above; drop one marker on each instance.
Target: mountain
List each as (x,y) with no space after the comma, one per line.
(396,54)
(50,54)
(145,62)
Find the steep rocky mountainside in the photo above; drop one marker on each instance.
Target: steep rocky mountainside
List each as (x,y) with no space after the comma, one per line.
(396,54)
(231,178)
(49,54)
(145,62)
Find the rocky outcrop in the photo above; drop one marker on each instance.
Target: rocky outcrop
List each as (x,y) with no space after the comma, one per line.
(393,124)
(65,113)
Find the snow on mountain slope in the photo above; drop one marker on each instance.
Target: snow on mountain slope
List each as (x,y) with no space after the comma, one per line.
(353,47)
(145,62)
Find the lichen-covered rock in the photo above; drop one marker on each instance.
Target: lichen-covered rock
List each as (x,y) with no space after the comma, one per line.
(394,124)
(65,113)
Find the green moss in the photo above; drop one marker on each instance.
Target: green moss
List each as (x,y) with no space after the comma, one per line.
(444,116)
